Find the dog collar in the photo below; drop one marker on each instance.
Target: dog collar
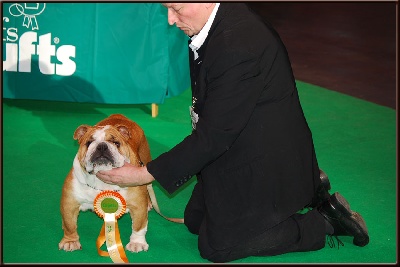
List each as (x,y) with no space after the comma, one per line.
(101,190)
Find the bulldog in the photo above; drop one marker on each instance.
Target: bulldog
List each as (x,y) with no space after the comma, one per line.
(106,145)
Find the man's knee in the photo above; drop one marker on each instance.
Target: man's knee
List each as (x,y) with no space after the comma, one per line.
(216,256)
(193,221)
(211,254)
(194,211)
(192,226)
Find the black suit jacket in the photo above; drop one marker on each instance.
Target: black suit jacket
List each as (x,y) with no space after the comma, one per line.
(252,147)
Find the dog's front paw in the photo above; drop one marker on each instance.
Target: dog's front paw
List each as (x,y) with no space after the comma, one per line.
(69,245)
(137,246)
(137,241)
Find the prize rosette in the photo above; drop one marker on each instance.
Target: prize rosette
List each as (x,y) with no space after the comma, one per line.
(110,206)
(109,202)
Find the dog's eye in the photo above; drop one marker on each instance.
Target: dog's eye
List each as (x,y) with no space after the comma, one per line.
(117,143)
(88,143)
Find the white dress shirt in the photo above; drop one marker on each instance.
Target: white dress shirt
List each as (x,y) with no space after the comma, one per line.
(198,40)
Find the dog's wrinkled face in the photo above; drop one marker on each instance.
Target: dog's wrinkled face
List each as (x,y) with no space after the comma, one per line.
(101,147)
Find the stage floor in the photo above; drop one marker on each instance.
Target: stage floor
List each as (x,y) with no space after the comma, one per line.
(355,142)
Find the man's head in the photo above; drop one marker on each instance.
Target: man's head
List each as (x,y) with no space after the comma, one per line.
(189,17)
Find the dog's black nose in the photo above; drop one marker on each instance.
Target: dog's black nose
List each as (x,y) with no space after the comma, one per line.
(102,147)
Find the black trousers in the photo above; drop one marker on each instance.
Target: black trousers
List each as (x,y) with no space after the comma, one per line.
(300,232)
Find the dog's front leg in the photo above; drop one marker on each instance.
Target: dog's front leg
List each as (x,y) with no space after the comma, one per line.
(139,214)
(69,212)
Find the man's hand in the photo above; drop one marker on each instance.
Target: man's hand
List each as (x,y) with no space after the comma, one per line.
(127,175)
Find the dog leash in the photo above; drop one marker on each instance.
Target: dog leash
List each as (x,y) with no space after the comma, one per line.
(153,199)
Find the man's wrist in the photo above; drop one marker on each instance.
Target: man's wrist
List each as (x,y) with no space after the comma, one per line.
(148,177)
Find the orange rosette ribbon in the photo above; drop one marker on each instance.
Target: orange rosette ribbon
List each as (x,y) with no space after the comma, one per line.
(110,206)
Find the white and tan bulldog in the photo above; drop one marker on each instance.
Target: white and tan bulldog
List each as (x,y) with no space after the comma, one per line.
(101,147)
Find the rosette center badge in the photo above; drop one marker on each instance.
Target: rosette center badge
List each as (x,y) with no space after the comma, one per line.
(109,202)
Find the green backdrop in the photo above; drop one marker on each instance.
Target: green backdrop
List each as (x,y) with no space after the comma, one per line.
(123,53)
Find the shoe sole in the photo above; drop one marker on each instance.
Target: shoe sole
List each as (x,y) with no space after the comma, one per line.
(355,218)
(322,193)
(324,180)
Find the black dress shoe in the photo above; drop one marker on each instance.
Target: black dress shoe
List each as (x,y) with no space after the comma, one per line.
(322,194)
(344,221)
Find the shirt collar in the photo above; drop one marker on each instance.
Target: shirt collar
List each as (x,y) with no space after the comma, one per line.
(198,40)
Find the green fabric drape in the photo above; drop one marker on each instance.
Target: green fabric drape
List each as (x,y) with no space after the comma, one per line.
(116,53)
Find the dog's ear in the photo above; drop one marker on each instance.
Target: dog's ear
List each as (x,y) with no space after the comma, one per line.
(124,131)
(80,131)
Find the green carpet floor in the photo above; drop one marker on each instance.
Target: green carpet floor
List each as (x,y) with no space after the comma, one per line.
(355,143)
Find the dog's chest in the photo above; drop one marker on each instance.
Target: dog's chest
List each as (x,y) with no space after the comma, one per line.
(86,193)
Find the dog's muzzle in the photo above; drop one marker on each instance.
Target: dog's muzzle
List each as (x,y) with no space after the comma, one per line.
(102,155)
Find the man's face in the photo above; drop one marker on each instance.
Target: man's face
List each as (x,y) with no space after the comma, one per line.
(189,17)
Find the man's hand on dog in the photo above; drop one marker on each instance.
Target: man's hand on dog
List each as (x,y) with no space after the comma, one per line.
(127,175)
